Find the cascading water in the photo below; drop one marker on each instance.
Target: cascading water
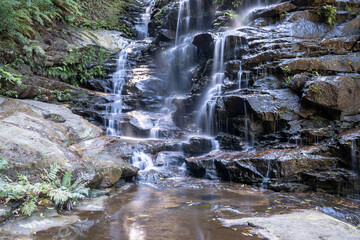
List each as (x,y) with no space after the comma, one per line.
(207,111)
(114,109)
(142,161)
(180,60)
(142,27)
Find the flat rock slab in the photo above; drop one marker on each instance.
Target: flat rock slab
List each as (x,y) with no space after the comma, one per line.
(31,225)
(308,224)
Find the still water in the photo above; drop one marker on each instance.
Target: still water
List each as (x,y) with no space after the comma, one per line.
(191,209)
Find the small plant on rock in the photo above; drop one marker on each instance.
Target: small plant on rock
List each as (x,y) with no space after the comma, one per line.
(51,186)
(329,13)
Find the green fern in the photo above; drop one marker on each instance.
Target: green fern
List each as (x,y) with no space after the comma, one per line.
(27,208)
(66,179)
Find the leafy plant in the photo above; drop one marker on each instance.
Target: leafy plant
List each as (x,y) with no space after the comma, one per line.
(287,72)
(230,14)
(77,68)
(286,69)
(59,190)
(329,13)
(64,95)
(9,77)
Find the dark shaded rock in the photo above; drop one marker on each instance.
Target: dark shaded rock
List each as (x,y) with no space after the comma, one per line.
(100,85)
(197,146)
(289,187)
(231,142)
(334,182)
(203,40)
(298,82)
(336,92)
(285,166)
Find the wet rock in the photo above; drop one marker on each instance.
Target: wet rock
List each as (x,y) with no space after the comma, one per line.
(27,227)
(346,29)
(268,83)
(332,63)
(100,85)
(228,141)
(197,146)
(203,40)
(334,182)
(272,11)
(274,105)
(289,187)
(298,82)
(335,92)
(350,144)
(279,165)
(312,2)
(169,158)
(307,224)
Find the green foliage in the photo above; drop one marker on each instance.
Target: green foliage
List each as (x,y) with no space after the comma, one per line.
(75,69)
(65,95)
(18,18)
(9,77)
(286,69)
(61,192)
(329,13)
(287,78)
(3,163)
(230,14)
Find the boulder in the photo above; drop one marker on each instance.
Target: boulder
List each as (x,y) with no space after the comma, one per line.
(34,135)
(198,146)
(336,92)
(306,224)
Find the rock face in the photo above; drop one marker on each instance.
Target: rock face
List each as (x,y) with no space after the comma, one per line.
(35,134)
(298,225)
(290,80)
(311,166)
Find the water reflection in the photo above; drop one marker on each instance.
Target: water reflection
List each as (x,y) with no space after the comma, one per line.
(188,209)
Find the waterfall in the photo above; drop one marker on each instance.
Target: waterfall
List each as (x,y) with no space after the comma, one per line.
(207,109)
(142,26)
(118,80)
(183,20)
(142,161)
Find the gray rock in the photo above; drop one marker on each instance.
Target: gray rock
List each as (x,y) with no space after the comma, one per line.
(307,224)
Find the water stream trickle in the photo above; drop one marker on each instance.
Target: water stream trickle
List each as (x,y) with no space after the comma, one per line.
(114,109)
(142,26)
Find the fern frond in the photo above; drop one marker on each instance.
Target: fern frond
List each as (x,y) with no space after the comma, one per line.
(51,175)
(60,195)
(27,208)
(66,179)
